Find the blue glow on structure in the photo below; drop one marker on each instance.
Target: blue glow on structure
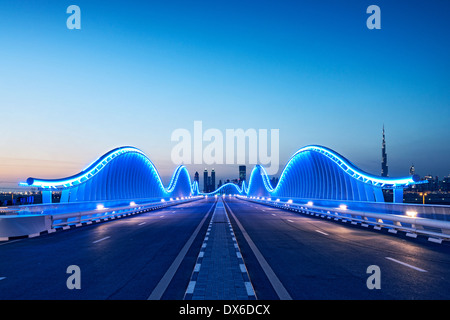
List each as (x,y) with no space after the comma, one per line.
(316,172)
(87,173)
(122,173)
(353,171)
(229,188)
(313,172)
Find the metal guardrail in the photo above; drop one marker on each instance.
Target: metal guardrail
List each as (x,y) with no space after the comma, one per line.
(31,225)
(409,223)
(103,214)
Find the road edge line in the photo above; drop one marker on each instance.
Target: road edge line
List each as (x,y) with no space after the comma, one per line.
(162,285)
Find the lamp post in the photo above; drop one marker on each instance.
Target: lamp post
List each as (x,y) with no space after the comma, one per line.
(423,194)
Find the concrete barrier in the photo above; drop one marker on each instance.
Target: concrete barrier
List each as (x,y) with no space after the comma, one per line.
(20,225)
(44,219)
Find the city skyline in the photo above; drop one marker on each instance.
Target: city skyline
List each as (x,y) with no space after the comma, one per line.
(233,172)
(134,73)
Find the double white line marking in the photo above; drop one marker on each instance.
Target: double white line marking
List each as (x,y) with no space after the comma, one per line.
(279,288)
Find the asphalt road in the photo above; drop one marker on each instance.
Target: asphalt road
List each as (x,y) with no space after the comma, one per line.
(287,256)
(119,259)
(315,258)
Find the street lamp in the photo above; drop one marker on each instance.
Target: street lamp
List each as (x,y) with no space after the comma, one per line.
(423,194)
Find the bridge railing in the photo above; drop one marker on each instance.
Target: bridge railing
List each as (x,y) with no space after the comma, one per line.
(405,221)
(103,214)
(30,225)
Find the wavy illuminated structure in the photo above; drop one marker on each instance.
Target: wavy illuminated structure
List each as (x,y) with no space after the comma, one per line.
(229,188)
(317,172)
(122,173)
(313,172)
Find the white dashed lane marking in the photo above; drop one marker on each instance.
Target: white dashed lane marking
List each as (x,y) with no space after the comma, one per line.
(406,264)
(324,233)
(101,239)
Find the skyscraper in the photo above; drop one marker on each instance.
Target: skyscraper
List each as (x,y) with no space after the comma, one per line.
(412,170)
(213,180)
(205,180)
(197,178)
(242,174)
(384,166)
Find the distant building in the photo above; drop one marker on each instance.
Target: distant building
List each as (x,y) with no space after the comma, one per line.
(384,166)
(196,177)
(242,174)
(209,182)
(205,180)
(445,185)
(433,183)
(412,170)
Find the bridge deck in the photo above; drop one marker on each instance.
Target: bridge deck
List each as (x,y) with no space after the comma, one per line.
(220,272)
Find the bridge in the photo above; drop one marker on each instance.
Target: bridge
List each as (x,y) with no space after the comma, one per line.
(316,235)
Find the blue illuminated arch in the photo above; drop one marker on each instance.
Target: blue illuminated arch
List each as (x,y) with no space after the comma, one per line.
(313,172)
(317,172)
(122,173)
(229,188)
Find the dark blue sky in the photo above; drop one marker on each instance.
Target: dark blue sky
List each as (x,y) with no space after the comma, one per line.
(135,72)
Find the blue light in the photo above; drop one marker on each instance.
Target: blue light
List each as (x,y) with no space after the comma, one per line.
(86,174)
(312,172)
(352,170)
(134,176)
(323,174)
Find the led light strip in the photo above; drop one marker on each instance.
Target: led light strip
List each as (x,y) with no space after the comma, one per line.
(95,167)
(100,163)
(352,170)
(343,164)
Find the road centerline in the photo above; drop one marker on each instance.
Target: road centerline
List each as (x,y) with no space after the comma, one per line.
(277,285)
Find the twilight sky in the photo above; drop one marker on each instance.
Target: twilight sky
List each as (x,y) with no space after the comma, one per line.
(136,72)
